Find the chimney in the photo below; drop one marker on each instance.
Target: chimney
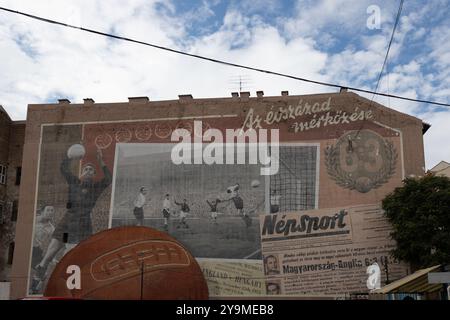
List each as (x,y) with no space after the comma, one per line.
(343,89)
(138,99)
(88,101)
(235,94)
(284,93)
(64,101)
(260,94)
(185,97)
(245,95)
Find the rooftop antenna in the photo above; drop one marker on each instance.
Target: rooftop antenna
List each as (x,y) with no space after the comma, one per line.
(240,83)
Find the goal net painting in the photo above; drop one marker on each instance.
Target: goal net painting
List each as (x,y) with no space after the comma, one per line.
(295,186)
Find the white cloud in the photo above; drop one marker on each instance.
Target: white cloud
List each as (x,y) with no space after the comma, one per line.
(39,61)
(340,17)
(251,6)
(69,62)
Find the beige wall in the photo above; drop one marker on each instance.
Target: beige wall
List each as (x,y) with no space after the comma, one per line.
(331,195)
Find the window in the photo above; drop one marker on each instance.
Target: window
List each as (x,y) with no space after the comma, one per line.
(15,208)
(2,174)
(11,253)
(18,175)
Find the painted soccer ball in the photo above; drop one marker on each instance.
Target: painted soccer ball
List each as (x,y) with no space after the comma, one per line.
(255,183)
(76,151)
(232,189)
(130,263)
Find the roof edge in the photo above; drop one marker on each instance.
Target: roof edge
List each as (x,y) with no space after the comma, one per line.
(2,110)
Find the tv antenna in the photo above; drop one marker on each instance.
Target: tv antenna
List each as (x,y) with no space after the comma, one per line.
(240,83)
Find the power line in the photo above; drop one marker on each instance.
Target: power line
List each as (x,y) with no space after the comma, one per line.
(397,19)
(220,61)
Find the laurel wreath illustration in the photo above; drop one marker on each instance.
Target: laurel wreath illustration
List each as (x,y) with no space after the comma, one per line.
(344,179)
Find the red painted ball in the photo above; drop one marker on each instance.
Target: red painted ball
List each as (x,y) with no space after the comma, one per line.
(130,263)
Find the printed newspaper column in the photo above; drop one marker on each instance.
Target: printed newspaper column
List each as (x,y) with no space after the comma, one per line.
(228,279)
(326,252)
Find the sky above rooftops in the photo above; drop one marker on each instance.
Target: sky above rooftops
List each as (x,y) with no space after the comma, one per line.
(322,40)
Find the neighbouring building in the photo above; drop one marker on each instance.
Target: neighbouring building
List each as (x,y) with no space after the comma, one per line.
(12,134)
(339,155)
(441,169)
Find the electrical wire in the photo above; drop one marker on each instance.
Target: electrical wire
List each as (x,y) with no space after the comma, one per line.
(220,61)
(397,19)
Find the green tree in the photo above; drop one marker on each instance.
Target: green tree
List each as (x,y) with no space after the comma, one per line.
(419,212)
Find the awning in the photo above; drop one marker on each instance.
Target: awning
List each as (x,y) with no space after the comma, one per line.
(416,282)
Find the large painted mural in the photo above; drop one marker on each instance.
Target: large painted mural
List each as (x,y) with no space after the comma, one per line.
(95,176)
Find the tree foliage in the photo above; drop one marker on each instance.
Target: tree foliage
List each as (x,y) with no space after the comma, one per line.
(419,212)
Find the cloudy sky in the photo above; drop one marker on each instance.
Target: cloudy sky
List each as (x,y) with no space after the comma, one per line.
(319,39)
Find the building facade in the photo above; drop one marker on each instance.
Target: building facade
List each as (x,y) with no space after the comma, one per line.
(12,134)
(338,156)
(441,169)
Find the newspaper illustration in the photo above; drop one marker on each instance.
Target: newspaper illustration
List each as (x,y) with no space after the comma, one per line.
(326,251)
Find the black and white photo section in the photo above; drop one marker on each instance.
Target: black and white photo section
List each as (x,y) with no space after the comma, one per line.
(206,207)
